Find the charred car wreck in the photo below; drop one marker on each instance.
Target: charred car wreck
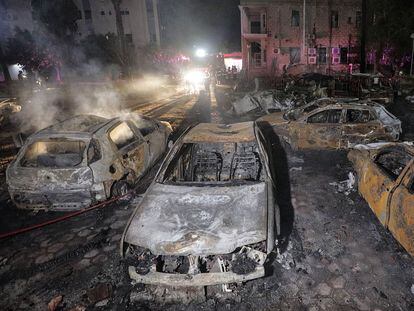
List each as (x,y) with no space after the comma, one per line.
(329,123)
(83,160)
(209,217)
(386,181)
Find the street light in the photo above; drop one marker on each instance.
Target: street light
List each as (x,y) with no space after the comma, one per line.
(201,53)
(412,55)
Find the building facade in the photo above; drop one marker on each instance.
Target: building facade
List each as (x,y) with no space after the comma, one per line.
(139,17)
(297,36)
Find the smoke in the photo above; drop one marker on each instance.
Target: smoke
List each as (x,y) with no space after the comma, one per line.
(82,95)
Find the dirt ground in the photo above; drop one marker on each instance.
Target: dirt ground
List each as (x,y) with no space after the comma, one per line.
(334,254)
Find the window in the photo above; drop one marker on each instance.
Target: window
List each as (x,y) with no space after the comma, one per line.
(344,55)
(321,55)
(326,116)
(146,127)
(88,14)
(358,116)
(94,151)
(122,135)
(294,55)
(358,19)
(255,27)
(393,162)
(109,12)
(334,19)
(295,21)
(349,20)
(215,163)
(102,12)
(79,15)
(56,153)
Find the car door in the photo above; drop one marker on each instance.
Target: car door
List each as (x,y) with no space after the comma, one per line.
(360,126)
(132,151)
(401,211)
(154,136)
(380,177)
(321,129)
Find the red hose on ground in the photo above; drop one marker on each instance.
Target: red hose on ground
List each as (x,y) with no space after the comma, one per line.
(52,221)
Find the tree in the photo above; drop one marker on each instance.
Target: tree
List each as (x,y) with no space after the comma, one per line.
(58,17)
(389,25)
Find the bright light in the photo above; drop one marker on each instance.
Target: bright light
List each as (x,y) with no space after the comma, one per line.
(201,53)
(195,77)
(194,80)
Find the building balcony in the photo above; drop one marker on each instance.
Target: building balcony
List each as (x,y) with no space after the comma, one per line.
(254,36)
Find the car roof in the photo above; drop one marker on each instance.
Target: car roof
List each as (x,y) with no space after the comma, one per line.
(88,124)
(221,133)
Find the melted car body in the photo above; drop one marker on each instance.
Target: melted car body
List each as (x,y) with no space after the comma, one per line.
(335,124)
(210,210)
(83,160)
(386,181)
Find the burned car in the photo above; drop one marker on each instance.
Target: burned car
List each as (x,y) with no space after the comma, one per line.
(83,160)
(8,107)
(329,123)
(210,216)
(386,181)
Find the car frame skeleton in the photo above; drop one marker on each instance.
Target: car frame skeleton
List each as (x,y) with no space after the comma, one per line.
(329,123)
(386,181)
(84,160)
(210,215)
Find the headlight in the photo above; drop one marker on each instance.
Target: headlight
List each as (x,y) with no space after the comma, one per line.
(194,77)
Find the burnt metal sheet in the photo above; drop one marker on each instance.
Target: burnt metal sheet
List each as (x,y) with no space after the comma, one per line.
(182,220)
(209,132)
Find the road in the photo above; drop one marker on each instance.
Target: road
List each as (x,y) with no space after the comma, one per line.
(334,254)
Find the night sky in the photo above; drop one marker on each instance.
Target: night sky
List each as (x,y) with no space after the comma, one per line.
(211,24)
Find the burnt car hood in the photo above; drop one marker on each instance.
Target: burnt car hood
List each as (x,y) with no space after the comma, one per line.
(184,220)
(275,118)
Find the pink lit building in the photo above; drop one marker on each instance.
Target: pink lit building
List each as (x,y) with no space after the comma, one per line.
(299,36)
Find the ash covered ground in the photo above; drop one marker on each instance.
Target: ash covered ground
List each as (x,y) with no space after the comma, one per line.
(334,255)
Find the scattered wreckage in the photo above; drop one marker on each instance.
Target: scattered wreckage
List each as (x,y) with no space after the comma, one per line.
(385,180)
(210,216)
(8,107)
(335,124)
(83,160)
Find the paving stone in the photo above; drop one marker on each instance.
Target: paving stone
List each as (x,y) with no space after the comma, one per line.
(338,282)
(99,259)
(323,289)
(45,243)
(43,258)
(84,233)
(55,247)
(361,305)
(110,248)
(84,263)
(67,237)
(118,224)
(334,268)
(116,238)
(341,296)
(91,253)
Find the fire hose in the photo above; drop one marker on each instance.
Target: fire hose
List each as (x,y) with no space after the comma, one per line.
(62,218)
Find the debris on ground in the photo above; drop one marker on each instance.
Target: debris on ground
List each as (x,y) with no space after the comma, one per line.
(345,186)
(99,293)
(410,99)
(286,258)
(54,303)
(265,101)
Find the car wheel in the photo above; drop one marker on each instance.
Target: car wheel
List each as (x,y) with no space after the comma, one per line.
(120,188)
